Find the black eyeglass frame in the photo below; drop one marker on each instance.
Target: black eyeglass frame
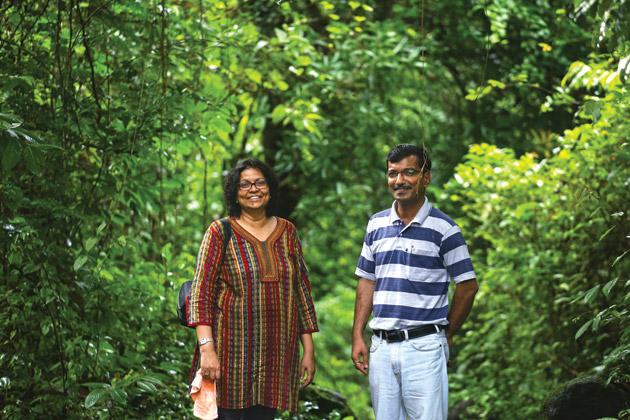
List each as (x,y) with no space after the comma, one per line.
(245,185)
(407,172)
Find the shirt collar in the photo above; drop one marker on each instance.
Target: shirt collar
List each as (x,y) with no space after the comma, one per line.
(419,218)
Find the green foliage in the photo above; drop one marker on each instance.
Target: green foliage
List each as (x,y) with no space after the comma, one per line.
(94,175)
(118,119)
(550,244)
(335,368)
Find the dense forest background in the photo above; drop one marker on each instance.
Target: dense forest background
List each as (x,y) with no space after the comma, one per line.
(119,118)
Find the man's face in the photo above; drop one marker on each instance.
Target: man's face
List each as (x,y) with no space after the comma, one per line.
(406,181)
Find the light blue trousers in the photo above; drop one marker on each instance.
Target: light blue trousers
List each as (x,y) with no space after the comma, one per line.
(408,379)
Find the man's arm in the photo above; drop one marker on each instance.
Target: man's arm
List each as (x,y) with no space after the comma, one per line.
(463,299)
(362,311)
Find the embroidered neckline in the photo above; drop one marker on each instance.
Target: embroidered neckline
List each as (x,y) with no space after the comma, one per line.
(263,249)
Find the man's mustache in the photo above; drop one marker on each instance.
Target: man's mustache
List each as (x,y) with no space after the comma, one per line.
(402,187)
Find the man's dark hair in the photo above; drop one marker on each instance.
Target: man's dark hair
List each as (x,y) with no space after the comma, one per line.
(232,179)
(401,151)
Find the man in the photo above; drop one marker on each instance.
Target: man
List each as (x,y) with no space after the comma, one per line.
(410,253)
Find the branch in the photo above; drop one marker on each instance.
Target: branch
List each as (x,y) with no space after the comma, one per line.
(90,59)
(27,33)
(456,77)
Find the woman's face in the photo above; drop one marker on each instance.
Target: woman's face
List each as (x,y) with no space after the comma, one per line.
(253,190)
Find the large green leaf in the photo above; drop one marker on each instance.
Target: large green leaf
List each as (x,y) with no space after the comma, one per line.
(11,152)
(95,396)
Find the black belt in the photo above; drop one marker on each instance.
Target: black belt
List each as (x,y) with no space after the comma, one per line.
(394,336)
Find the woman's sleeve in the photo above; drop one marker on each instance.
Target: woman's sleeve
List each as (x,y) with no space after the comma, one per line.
(306,308)
(206,275)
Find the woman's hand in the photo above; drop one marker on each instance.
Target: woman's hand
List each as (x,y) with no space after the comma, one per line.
(307,369)
(209,364)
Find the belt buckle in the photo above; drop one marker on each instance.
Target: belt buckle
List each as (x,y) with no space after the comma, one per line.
(398,335)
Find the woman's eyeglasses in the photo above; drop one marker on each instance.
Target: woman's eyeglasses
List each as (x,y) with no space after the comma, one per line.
(246,185)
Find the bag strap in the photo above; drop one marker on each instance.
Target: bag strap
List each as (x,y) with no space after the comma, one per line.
(227,234)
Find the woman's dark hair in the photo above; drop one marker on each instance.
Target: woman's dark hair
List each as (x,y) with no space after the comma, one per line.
(401,151)
(232,179)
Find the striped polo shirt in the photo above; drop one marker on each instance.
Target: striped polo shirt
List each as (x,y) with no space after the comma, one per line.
(412,266)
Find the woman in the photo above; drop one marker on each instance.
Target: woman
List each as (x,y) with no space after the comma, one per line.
(252,305)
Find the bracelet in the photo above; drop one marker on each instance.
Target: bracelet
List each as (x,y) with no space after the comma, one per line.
(205,340)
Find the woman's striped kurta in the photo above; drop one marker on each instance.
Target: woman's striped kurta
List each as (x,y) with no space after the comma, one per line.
(257,302)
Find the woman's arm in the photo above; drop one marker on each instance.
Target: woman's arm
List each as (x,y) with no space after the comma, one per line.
(207,270)
(307,370)
(307,322)
(306,309)
(201,312)
(209,363)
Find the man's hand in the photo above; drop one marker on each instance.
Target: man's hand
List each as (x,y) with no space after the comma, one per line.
(360,355)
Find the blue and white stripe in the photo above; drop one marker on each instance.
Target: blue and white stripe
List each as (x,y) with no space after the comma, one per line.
(412,266)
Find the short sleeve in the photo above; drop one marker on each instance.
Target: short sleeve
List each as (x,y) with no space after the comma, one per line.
(366,265)
(455,256)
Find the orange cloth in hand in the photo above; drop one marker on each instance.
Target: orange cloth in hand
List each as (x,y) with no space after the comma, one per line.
(203,393)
